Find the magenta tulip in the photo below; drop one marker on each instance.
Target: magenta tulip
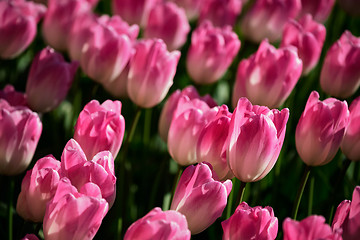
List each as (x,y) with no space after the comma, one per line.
(151,73)
(37,188)
(72,214)
(168,22)
(320,9)
(49,80)
(268,76)
(310,228)
(18,24)
(100,128)
(350,144)
(251,223)
(308,37)
(321,129)
(211,52)
(159,225)
(20,130)
(340,73)
(220,13)
(30,237)
(200,196)
(267,18)
(256,135)
(13,97)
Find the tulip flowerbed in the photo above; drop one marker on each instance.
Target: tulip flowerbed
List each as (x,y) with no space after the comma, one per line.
(179,119)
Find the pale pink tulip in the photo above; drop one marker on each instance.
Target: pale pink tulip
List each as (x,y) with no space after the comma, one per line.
(220,13)
(73,214)
(159,225)
(13,97)
(256,135)
(340,73)
(37,188)
(168,22)
(100,128)
(320,129)
(211,52)
(350,144)
(118,87)
(49,80)
(200,196)
(151,73)
(308,37)
(18,24)
(20,130)
(320,9)
(251,223)
(268,76)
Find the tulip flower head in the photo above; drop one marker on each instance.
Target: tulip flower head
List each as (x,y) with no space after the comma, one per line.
(13,97)
(220,13)
(320,9)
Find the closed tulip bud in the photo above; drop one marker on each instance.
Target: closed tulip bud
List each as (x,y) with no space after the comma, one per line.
(13,97)
(18,24)
(347,217)
(268,76)
(192,7)
(212,144)
(151,73)
(320,10)
(172,103)
(308,37)
(59,20)
(159,225)
(37,188)
(98,170)
(310,228)
(321,129)
(267,18)
(340,73)
(134,11)
(168,22)
(350,144)
(100,128)
(220,12)
(20,130)
(251,223)
(252,160)
(211,52)
(200,196)
(73,214)
(49,80)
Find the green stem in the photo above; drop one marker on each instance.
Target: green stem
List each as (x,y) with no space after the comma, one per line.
(311,195)
(300,191)
(241,193)
(10,209)
(231,200)
(176,181)
(147,126)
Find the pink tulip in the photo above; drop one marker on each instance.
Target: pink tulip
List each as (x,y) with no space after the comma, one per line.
(212,143)
(18,25)
(352,7)
(151,73)
(268,76)
(30,237)
(320,9)
(256,135)
(350,144)
(251,223)
(72,214)
(347,217)
(185,129)
(49,80)
(13,97)
(20,130)
(267,18)
(106,52)
(308,37)
(310,228)
(118,87)
(99,170)
(159,225)
(134,11)
(220,12)
(191,7)
(211,52)
(168,22)
(200,196)
(172,103)
(100,128)
(59,20)
(340,73)
(37,188)
(320,129)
